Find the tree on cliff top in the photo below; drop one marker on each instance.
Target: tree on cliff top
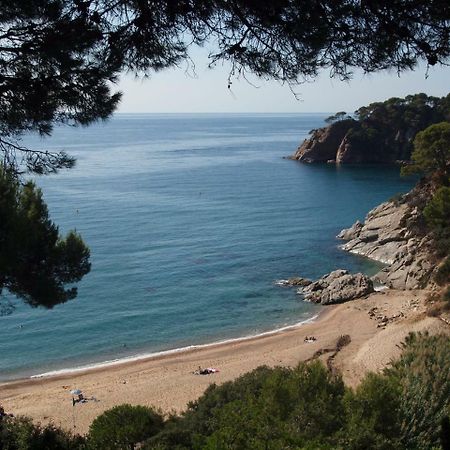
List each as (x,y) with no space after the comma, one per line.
(431,153)
(59,58)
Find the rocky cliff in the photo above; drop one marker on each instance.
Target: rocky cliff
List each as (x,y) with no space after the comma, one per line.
(324,142)
(348,142)
(391,234)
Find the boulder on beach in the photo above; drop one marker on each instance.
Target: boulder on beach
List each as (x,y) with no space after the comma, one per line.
(337,287)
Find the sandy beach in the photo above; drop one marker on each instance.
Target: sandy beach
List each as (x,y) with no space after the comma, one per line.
(168,382)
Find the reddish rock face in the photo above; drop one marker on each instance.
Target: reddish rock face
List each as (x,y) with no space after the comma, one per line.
(339,143)
(347,142)
(352,151)
(323,144)
(346,152)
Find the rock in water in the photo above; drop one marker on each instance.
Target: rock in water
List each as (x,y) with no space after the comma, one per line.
(294,281)
(299,281)
(337,287)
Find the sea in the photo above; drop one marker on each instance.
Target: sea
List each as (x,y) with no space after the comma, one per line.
(191,219)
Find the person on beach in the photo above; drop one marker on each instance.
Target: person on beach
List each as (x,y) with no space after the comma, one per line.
(207,371)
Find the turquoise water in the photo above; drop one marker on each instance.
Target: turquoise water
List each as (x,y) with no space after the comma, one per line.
(190,219)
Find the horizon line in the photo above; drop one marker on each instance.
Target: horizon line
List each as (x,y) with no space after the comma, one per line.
(223,112)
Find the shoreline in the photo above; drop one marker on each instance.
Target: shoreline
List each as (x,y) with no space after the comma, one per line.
(142,357)
(131,361)
(167,381)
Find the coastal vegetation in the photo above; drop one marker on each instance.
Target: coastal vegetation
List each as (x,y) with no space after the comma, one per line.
(306,407)
(437,216)
(431,155)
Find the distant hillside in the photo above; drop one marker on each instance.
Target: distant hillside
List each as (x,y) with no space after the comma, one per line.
(379,133)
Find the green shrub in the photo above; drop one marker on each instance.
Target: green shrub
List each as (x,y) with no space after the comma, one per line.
(21,434)
(437,211)
(442,276)
(441,242)
(373,414)
(437,217)
(293,408)
(445,433)
(177,434)
(423,375)
(122,427)
(200,414)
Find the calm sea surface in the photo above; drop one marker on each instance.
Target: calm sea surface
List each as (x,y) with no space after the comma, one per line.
(190,219)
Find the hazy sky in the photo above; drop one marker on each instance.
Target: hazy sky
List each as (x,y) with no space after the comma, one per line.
(175,90)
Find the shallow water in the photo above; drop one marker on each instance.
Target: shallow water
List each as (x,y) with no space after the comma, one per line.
(190,220)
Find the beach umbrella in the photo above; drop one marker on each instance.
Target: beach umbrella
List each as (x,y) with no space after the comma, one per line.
(74,392)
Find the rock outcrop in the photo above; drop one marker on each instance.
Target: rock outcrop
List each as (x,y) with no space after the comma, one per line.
(386,237)
(293,282)
(324,142)
(337,287)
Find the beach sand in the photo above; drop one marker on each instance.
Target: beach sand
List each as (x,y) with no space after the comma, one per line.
(167,382)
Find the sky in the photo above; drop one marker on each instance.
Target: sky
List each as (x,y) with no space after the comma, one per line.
(180,91)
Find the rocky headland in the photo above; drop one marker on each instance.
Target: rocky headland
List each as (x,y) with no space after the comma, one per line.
(393,234)
(346,142)
(380,133)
